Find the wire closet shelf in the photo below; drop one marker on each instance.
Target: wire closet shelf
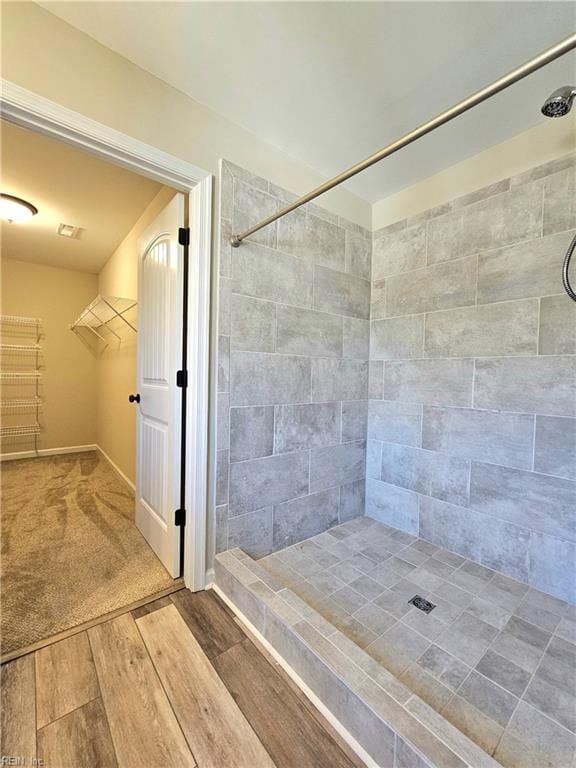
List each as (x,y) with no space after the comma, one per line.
(100,314)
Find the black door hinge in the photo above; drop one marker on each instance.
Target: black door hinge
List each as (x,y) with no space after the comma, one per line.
(184,236)
(180,517)
(182,379)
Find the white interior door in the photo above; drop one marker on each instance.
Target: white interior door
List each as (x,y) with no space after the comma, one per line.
(159,422)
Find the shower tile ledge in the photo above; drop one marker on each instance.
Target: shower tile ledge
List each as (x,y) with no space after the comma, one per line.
(380,713)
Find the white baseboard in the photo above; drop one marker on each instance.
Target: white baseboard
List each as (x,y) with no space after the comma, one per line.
(115,467)
(320,706)
(47,452)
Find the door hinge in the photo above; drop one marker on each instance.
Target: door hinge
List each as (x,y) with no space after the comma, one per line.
(180,517)
(182,379)
(184,235)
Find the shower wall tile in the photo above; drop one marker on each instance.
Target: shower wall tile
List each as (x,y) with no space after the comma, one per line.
(432,382)
(560,201)
(253,324)
(542,385)
(397,338)
(259,482)
(473,347)
(493,436)
(498,220)
(557,326)
(301,518)
(391,505)
(352,500)
(261,379)
(395,422)
(267,274)
(440,286)
(337,464)
(251,432)
(312,239)
(555,446)
(301,427)
(306,332)
(538,502)
(340,293)
(356,338)
(339,380)
(397,252)
(508,328)
(358,255)
(292,375)
(354,420)
(531,269)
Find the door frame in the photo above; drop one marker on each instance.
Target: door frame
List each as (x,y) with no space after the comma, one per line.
(30,110)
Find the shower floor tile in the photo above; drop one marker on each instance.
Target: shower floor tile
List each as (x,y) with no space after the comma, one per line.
(495,657)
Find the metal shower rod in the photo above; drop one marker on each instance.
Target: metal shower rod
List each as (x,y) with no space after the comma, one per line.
(539,61)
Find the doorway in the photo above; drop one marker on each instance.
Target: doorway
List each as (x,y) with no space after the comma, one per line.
(86,483)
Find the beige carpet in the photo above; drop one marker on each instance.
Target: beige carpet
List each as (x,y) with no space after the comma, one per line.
(70,549)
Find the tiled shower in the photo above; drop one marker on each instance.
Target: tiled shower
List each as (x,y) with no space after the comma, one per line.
(454,325)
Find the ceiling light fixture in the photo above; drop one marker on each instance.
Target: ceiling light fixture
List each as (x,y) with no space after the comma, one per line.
(68,230)
(15,209)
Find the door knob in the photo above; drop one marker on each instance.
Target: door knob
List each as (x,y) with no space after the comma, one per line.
(134,398)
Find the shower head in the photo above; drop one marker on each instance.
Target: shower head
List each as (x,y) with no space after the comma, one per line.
(560,102)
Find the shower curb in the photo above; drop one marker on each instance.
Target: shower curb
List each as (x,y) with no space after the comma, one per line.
(379,712)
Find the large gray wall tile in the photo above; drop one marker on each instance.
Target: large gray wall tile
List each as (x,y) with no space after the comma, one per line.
(252,532)
(313,239)
(440,286)
(374,459)
(223,421)
(352,500)
(399,252)
(253,324)
(222,473)
(494,436)
(261,379)
(555,446)
(378,299)
(301,518)
(306,332)
(535,501)
(356,341)
(337,464)
(224,305)
(508,328)
(552,566)
(397,338)
(433,382)
(557,326)
(354,420)
(223,363)
(521,271)
(267,274)
(427,472)
(358,255)
(499,220)
(395,422)
(261,482)
(299,427)
(375,380)
(491,542)
(341,293)
(250,205)
(545,385)
(251,432)
(339,380)
(391,505)
(560,201)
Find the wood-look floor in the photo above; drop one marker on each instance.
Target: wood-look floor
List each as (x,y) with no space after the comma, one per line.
(174,684)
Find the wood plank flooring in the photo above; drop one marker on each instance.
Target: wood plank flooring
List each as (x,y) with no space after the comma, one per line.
(176,683)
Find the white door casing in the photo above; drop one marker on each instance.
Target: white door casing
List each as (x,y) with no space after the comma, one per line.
(159,422)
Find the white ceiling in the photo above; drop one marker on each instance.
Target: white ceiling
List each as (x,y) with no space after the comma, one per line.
(71,187)
(332,82)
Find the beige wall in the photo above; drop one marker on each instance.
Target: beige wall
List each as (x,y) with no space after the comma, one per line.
(116,370)
(42,53)
(68,385)
(547,141)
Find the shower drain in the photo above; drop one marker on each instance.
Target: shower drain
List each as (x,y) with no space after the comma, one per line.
(422,604)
